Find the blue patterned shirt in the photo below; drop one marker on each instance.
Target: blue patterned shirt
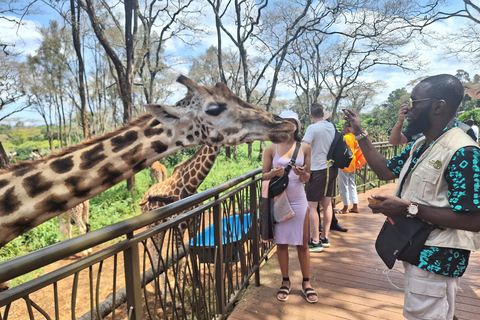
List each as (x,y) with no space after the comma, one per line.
(463,179)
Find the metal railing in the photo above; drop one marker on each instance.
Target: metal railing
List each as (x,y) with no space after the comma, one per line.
(204,273)
(156,272)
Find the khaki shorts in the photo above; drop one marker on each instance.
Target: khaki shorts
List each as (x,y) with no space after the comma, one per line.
(315,187)
(428,295)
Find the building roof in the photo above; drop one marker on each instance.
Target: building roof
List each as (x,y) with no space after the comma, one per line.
(474,93)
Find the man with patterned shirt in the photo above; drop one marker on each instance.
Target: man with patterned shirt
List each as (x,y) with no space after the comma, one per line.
(439,182)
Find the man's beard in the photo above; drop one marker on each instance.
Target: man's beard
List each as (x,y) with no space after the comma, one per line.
(420,124)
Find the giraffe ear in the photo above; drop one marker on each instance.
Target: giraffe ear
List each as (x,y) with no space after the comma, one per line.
(165,114)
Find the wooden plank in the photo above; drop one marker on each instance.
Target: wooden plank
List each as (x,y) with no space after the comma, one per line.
(351,280)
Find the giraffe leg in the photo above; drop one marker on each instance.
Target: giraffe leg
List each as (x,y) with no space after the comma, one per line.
(153,176)
(68,225)
(85,214)
(62,226)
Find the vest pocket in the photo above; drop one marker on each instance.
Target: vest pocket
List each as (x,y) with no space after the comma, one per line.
(428,179)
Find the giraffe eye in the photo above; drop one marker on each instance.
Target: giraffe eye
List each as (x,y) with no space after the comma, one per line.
(216,109)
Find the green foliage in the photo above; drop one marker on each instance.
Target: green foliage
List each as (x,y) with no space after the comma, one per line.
(19,136)
(5,128)
(470,105)
(472,114)
(380,121)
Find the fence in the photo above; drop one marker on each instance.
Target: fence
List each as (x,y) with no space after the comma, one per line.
(157,272)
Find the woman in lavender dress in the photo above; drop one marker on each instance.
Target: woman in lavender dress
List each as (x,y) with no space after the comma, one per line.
(293,231)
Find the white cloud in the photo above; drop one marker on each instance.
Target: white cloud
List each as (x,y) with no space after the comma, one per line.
(23,34)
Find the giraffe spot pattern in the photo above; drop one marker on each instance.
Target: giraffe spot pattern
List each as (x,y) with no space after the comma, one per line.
(212,157)
(179,144)
(109,175)
(121,142)
(53,203)
(36,184)
(159,147)
(150,132)
(140,166)
(4,183)
(21,172)
(133,156)
(194,181)
(22,225)
(92,157)
(62,165)
(76,185)
(190,138)
(9,202)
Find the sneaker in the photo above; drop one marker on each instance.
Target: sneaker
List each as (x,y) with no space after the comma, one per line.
(315,246)
(325,242)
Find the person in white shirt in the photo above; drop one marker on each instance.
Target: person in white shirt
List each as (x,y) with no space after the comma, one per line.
(471,123)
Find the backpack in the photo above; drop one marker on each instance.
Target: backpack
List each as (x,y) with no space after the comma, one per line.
(339,153)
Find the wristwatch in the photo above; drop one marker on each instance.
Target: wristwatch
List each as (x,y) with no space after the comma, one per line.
(412,210)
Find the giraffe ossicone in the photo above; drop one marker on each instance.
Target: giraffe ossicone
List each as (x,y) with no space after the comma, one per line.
(34,192)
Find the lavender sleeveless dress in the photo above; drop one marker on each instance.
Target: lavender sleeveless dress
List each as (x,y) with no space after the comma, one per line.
(291,231)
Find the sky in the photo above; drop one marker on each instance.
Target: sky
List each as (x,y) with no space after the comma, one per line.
(27,40)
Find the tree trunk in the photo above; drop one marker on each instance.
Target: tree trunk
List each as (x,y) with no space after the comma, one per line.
(124,75)
(4,162)
(75,11)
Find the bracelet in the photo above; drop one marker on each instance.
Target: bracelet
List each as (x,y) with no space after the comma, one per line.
(362,135)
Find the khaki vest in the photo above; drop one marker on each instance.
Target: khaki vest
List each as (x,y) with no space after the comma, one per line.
(426,185)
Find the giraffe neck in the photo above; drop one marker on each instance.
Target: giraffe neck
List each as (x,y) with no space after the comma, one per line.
(193,171)
(34,192)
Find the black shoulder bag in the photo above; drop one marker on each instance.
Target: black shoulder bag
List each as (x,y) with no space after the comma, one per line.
(278,184)
(402,238)
(339,153)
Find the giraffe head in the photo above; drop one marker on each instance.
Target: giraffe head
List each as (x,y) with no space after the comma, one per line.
(220,118)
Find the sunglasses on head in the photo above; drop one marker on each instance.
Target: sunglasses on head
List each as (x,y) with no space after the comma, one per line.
(412,101)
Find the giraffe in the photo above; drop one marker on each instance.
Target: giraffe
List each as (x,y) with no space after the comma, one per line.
(158,172)
(79,214)
(184,181)
(34,192)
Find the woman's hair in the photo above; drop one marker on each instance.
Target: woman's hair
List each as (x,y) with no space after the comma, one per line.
(296,135)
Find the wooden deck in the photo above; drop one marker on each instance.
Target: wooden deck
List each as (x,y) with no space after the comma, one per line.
(351,280)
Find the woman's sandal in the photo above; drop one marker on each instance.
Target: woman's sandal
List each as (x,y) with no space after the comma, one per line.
(285,290)
(309,293)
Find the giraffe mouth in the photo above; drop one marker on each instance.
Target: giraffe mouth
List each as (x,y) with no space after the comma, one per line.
(279,136)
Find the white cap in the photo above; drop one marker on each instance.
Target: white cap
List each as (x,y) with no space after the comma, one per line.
(289,114)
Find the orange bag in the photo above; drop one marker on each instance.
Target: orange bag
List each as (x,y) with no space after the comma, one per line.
(360,159)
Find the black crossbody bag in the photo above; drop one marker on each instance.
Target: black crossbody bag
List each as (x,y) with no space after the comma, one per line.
(278,184)
(402,238)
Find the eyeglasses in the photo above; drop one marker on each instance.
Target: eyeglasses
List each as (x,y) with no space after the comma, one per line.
(412,101)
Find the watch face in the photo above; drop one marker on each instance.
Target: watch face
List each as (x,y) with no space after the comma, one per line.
(413,209)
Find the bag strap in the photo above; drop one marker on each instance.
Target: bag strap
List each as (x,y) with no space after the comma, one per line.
(294,157)
(336,136)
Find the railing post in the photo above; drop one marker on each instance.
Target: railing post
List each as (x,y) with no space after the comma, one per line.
(132,281)
(256,235)
(218,234)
